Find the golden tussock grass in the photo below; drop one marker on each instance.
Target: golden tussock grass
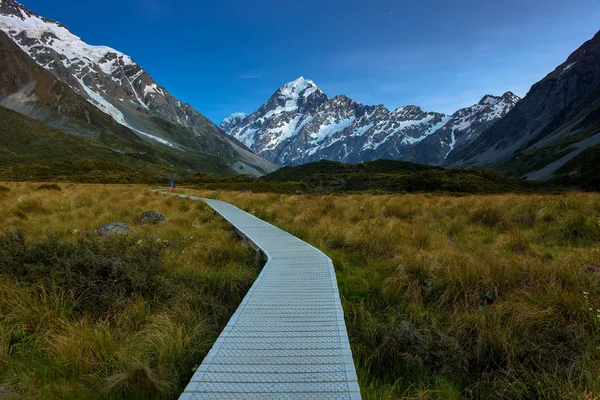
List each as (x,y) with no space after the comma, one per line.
(459,297)
(444,297)
(58,342)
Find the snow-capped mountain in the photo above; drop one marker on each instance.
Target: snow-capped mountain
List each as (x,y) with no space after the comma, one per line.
(117,85)
(548,132)
(300,124)
(232,120)
(463,128)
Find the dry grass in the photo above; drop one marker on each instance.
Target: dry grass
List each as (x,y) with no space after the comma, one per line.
(53,346)
(459,297)
(445,297)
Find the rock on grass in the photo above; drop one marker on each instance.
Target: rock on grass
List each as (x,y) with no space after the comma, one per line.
(112,228)
(152,217)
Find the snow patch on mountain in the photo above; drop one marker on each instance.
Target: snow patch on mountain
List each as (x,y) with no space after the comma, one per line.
(329,128)
(569,66)
(362,130)
(153,88)
(430,130)
(99,101)
(248,137)
(283,132)
(60,40)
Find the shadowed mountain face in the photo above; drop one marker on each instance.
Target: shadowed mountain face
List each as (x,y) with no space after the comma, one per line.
(113,83)
(558,119)
(300,124)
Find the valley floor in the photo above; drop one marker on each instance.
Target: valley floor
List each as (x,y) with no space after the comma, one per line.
(444,297)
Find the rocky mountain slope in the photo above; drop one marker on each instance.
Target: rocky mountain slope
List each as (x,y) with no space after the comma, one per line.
(232,121)
(462,129)
(300,124)
(33,150)
(73,123)
(557,121)
(116,85)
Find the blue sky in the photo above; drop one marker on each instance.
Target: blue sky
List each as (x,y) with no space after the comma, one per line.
(224,56)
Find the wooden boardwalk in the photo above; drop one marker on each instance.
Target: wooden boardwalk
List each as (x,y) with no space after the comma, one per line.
(287,339)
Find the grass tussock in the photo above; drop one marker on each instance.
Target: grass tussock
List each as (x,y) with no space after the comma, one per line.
(84,316)
(49,186)
(459,297)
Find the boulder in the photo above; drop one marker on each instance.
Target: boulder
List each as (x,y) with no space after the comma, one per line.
(113,228)
(152,217)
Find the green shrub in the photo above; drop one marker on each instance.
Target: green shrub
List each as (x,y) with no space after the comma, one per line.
(29,206)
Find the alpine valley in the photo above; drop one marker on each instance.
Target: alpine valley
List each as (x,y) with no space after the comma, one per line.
(50,75)
(54,85)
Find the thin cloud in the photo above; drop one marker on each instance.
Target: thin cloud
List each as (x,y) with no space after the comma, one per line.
(245,77)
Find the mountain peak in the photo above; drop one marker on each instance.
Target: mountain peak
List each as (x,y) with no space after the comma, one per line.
(488,98)
(301,81)
(299,87)
(238,115)
(408,112)
(509,97)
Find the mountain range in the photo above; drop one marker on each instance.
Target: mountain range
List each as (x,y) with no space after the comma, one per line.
(537,137)
(54,83)
(51,75)
(300,124)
